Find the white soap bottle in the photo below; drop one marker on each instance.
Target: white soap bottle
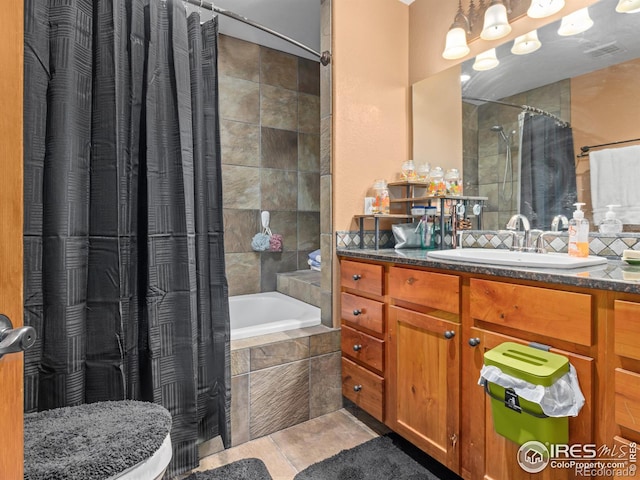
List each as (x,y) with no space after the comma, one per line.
(610,224)
(578,233)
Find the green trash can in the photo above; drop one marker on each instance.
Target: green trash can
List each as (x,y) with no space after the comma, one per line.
(514,417)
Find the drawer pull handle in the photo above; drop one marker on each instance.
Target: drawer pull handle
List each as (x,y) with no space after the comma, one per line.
(474,342)
(357,312)
(410,280)
(356,277)
(449,334)
(357,388)
(357,348)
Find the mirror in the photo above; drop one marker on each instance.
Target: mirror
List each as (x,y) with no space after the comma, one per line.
(588,80)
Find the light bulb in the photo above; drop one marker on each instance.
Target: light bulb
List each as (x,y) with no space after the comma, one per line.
(456,44)
(486,60)
(496,23)
(527,43)
(544,8)
(628,6)
(576,22)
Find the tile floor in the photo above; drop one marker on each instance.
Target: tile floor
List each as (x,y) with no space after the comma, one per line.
(287,452)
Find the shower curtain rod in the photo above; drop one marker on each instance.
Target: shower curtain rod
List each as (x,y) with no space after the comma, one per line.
(325,57)
(526,108)
(585,149)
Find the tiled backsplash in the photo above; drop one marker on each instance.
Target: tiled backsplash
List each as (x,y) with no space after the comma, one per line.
(599,244)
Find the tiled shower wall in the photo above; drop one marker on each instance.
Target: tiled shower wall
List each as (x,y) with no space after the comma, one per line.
(485,151)
(270,135)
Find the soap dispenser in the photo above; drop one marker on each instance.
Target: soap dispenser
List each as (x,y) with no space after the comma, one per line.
(610,224)
(578,233)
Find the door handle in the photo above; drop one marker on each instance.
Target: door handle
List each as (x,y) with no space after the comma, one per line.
(13,340)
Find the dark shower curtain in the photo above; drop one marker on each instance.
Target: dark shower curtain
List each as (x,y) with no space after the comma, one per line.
(548,172)
(124,255)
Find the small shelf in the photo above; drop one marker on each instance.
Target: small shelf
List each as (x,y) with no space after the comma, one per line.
(411,199)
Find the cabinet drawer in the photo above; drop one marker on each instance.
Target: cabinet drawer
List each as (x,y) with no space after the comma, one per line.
(627,405)
(365,348)
(562,315)
(362,312)
(627,329)
(435,290)
(364,388)
(364,277)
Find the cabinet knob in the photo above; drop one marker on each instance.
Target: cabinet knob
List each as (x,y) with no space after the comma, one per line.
(357,388)
(356,277)
(474,342)
(357,312)
(449,334)
(357,348)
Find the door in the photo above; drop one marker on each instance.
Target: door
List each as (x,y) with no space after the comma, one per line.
(11,365)
(424,379)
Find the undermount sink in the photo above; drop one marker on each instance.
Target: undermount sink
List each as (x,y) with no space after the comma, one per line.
(514,258)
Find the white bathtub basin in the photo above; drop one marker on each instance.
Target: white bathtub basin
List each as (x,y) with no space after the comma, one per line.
(520,259)
(269,312)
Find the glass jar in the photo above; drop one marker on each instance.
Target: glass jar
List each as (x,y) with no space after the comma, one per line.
(408,171)
(436,182)
(381,197)
(422,172)
(453,182)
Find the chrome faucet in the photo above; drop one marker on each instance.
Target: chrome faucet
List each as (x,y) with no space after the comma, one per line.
(512,225)
(556,222)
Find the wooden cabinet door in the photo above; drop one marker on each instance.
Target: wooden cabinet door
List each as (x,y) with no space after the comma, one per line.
(488,455)
(423,382)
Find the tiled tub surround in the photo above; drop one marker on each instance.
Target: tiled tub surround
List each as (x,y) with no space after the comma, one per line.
(270,136)
(283,379)
(599,244)
(302,284)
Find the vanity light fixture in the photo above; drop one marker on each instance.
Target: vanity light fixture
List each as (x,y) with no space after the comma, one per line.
(456,42)
(496,21)
(527,43)
(576,22)
(544,8)
(628,6)
(486,60)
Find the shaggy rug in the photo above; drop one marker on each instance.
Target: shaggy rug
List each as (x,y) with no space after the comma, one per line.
(245,469)
(388,457)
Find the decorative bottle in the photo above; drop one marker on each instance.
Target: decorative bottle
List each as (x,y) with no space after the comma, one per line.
(578,233)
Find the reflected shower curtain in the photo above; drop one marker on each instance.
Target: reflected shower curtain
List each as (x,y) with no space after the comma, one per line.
(548,172)
(124,257)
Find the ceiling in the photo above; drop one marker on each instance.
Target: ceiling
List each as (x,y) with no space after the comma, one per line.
(297,19)
(614,38)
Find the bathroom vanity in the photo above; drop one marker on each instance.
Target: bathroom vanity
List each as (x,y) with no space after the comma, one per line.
(414,332)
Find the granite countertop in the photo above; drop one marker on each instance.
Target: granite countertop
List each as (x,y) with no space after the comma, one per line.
(615,275)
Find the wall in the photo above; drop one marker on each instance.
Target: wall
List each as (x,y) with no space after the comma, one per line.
(371,111)
(437,120)
(604,108)
(270,136)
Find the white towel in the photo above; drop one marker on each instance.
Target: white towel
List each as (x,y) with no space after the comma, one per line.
(615,180)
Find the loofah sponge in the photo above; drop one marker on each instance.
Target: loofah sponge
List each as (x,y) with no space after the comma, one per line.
(260,242)
(631,254)
(275,243)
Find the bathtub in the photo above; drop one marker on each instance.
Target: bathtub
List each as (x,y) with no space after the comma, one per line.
(269,312)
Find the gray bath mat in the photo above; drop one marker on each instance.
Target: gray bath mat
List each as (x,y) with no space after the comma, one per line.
(245,469)
(388,457)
